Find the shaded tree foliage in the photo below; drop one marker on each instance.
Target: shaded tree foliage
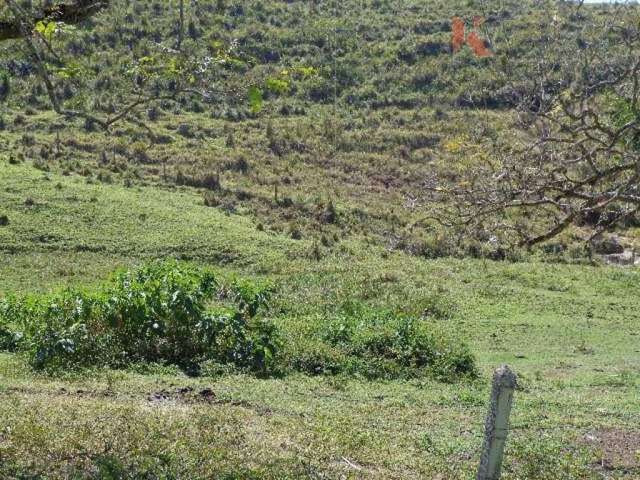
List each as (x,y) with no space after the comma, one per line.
(68,12)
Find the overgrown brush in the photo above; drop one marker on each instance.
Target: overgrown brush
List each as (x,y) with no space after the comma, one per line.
(380,344)
(170,313)
(161,313)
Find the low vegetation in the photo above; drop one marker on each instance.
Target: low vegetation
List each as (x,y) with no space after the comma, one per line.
(379,344)
(344,382)
(160,313)
(254,280)
(176,314)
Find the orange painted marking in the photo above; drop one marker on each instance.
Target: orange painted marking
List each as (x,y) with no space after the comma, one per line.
(458,37)
(477,45)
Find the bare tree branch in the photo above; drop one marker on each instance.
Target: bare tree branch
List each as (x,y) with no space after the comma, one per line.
(580,158)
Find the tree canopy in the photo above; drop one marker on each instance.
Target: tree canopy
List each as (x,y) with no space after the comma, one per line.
(69,12)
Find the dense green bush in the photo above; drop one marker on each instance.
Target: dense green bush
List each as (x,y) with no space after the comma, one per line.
(175,314)
(380,344)
(9,339)
(162,313)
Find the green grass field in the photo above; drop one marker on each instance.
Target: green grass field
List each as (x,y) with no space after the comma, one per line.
(325,192)
(569,331)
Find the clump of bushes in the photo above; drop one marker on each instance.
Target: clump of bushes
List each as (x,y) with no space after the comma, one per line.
(9,339)
(380,344)
(173,314)
(166,313)
(210,181)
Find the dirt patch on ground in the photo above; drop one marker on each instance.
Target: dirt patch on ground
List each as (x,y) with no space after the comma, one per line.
(188,395)
(617,449)
(180,396)
(184,394)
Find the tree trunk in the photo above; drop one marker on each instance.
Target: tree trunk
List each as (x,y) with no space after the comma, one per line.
(181,25)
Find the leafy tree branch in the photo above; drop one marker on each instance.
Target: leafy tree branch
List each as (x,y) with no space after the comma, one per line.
(70,13)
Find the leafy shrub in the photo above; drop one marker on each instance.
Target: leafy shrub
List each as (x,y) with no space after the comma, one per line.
(315,357)
(186,130)
(210,199)
(41,164)
(166,313)
(5,87)
(240,164)
(28,140)
(210,181)
(329,214)
(382,345)
(9,340)
(153,113)
(174,314)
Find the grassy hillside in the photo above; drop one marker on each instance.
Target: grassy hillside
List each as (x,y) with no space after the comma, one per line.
(320,194)
(386,107)
(382,53)
(569,332)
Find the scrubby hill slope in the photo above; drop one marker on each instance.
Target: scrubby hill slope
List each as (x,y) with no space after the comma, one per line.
(345,151)
(569,332)
(319,194)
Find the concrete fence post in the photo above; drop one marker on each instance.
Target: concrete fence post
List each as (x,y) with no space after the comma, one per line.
(497,424)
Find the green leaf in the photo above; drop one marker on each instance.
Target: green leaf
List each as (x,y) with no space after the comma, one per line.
(50,30)
(255,99)
(40,27)
(47,30)
(306,72)
(277,85)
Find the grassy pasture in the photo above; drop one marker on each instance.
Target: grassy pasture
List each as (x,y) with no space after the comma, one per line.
(570,332)
(321,194)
